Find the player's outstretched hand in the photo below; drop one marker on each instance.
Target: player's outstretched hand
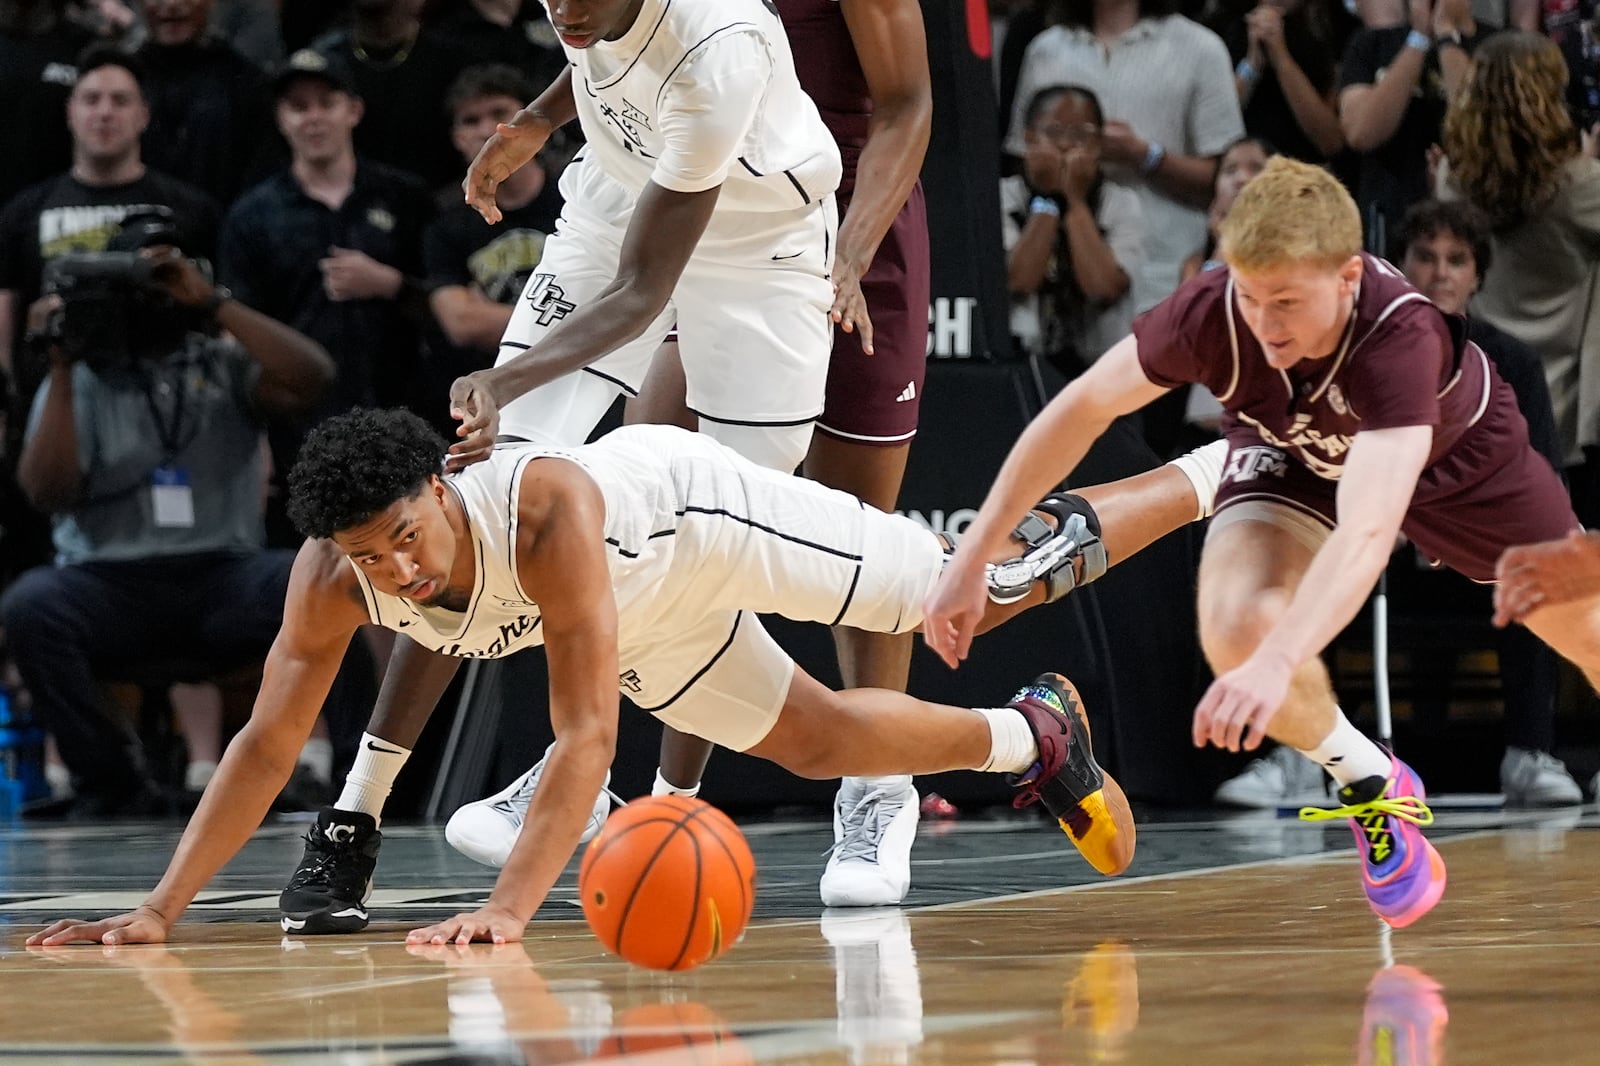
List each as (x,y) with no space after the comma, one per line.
(1235,710)
(849,305)
(490,923)
(511,147)
(142,926)
(951,614)
(473,405)
(1531,576)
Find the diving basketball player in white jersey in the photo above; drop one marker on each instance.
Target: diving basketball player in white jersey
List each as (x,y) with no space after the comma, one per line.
(640,562)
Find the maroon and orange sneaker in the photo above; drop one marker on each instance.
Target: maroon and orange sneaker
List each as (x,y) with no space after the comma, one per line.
(1090,807)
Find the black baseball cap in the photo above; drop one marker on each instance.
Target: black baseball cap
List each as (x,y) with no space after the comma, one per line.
(310,63)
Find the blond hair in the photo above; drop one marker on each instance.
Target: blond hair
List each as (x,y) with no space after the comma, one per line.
(1292,212)
(1507,134)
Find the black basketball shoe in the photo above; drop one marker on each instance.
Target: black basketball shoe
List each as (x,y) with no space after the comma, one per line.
(328,892)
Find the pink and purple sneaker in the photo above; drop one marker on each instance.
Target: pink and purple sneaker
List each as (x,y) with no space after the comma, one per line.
(1402,873)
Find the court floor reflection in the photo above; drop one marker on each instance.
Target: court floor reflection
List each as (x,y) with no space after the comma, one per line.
(1274,962)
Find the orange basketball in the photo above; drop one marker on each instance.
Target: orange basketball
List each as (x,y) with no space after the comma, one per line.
(668,884)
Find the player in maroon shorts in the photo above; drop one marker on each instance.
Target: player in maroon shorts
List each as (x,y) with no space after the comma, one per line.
(1355,410)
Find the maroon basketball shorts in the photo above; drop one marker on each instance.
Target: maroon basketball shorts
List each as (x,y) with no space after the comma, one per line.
(1489,492)
(875,399)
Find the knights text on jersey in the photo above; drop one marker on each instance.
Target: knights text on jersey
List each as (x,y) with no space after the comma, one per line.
(1402,362)
(701,93)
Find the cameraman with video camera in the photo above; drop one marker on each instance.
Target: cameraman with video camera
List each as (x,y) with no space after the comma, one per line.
(144,446)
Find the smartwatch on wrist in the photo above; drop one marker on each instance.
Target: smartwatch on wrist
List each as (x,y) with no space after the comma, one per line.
(1419,40)
(1043,205)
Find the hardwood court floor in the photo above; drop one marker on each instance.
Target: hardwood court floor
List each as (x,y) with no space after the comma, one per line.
(1239,942)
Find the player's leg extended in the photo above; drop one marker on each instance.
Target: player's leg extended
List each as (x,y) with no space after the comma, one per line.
(1124,517)
(1041,739)
(1248,574)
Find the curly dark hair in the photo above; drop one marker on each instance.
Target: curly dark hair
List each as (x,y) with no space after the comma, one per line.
(357,464)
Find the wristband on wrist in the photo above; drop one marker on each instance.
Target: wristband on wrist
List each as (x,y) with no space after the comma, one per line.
(1246,72)
(1043,205)
(1419,40)
(1152,159)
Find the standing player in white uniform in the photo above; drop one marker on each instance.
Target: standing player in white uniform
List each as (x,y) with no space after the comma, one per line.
(640,560)
(704,196)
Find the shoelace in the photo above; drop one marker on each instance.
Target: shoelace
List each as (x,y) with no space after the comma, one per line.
(863,828)
(319,872)
(1029,793)
(516,805)
(1374,817)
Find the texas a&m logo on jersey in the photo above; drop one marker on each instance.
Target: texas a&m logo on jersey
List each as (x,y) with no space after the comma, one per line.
(1251,463)
(1322,452)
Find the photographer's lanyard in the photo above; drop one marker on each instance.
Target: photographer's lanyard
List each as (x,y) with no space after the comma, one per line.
(171,496)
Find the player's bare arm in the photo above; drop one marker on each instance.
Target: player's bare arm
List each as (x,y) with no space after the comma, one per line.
(892,45)
(661,236)
(323,608)
(515,143)
(1379,479)
(1048,450)
(561,562)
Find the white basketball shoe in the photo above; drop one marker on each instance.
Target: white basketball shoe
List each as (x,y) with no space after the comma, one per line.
(485,830)
(874,823)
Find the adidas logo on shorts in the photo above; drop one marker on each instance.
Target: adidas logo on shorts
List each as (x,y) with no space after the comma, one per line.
(909,393)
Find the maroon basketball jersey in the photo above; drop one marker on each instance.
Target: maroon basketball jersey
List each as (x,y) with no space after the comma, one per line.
(830,73)
(1402,362)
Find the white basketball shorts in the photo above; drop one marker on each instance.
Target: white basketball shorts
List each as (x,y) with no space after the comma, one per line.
(751,309)
(752,541)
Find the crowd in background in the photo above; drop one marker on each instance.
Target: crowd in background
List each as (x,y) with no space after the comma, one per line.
(308,154)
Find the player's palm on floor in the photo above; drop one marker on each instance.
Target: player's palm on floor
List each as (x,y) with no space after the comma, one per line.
(136,927)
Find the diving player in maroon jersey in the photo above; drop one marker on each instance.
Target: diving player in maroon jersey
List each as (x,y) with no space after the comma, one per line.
(1355,410)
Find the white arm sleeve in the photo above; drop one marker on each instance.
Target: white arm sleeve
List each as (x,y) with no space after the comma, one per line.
(707,110)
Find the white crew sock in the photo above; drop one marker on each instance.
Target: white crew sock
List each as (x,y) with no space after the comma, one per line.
(1348,754)
(663,787)
(1203,468)
(377,764)
(1012,748)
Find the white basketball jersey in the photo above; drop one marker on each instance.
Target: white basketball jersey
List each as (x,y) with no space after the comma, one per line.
(653,106)
(641,471)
